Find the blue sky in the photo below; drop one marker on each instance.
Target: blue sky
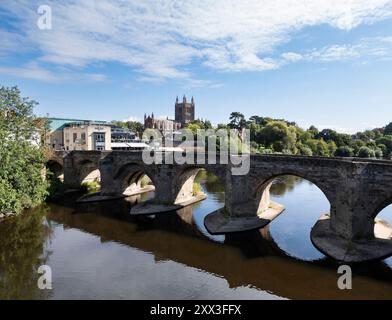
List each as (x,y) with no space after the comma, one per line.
(327,63)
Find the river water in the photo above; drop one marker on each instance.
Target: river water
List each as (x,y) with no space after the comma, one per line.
(98,251)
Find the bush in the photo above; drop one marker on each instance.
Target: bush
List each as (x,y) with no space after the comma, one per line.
(365,152)
(344,151)
(304,150)
(379,154)
(22,179)
(91,186)
(56,188)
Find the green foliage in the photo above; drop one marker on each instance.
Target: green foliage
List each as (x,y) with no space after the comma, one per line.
(56,188)
(91,186)
(386,142)
(277,135)
(388,129)
(378,153)
(304,150)
(134,126)
(22,251)
(22,180)
(199,124)
(269,135)
(193,126)
(237,121)
(197,189)
(344,151)
(145,181)
(366,152)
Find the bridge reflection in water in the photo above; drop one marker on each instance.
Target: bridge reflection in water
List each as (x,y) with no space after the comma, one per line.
(101,251)
(252,260)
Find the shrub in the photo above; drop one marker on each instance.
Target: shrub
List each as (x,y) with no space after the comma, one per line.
(344,151)
(56,188)
(379,154)
(22,182)
(365,152)
(91,186)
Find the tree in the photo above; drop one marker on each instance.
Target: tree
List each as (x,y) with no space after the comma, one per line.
(134,126)
(313,131)
(304,150)
(222,126)
(194,126)
(388,129)
(22,155)
(366,152)
(344,151)
(318,147)
(327,135)
(258,120)
(383,148)
(378,153)
(331,148)
(202,124)
(356,145)
(387,142)
(278,136)
(237,121)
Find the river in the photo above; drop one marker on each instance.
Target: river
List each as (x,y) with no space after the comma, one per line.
(98,251)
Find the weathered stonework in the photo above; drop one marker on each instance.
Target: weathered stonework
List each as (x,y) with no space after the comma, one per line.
(357,189)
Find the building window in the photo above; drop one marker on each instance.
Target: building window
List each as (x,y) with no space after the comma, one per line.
(99,137)
(75,136)
(83,137)
(99,141)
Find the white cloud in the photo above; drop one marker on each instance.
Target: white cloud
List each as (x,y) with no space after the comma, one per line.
(292,56)
(29,72)
(161,39)
(35,72)
(376,47)
(335,52)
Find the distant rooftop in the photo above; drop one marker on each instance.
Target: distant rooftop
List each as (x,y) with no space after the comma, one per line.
(60,123)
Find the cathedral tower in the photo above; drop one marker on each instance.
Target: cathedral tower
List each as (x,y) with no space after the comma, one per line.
(184,111)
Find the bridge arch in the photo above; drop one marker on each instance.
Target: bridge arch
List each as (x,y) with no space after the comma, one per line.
(183,183)
(380,219)
(262,190)
(297,204)
(131,177)
(56,169)
(88,171)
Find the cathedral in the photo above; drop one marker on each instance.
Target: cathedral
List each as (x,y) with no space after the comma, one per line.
(184,113)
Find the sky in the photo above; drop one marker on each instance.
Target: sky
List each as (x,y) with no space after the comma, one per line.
(316,62)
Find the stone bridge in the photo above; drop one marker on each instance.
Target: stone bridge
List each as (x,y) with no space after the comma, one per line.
(357,190)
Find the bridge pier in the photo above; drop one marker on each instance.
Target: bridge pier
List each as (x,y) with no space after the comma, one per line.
(348,232)
(244,210)
(357,190)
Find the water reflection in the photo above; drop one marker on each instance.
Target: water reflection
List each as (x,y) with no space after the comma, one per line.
(304,204)
(22,241)
(100,251)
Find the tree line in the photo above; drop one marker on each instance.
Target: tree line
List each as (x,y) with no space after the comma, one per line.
(269,135)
